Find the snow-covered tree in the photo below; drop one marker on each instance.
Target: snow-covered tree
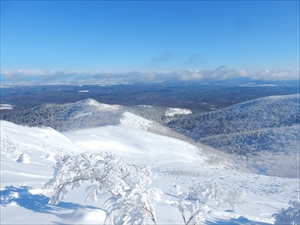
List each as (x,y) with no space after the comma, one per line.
(192,211)
(289,216)
(235,198)
(131,199)
(135,206)
(205,192)
(193,205)
(105,172)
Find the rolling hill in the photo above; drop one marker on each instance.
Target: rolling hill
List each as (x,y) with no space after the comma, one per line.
(264,131)
(256,133)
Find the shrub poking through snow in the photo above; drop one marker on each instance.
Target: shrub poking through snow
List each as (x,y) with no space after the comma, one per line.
(135,206)
(192,211)
(131,199)
(193,205)
(207,192)
(235,198)
(289,216)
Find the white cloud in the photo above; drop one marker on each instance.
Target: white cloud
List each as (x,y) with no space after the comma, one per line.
(220,73)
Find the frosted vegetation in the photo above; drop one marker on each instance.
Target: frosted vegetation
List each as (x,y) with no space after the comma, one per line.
(134,176)
(87,114)
(132,201)
(83,114)
(112,166)
(261,132)
(290,215)
(258,115)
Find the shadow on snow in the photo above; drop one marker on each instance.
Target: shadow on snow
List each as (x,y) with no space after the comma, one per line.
(237,221)
(35,202)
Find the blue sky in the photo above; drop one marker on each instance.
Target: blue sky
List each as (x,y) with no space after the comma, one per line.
(104,36)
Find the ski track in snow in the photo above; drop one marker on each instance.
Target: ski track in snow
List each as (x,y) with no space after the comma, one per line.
(174,162)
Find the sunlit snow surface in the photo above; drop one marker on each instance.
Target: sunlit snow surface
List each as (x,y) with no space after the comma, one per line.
(100,106)
(176,111)
(173,162)
(5,106)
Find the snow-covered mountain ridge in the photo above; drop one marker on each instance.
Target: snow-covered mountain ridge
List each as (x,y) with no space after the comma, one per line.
(175,163)
(259,132)
(268,112)
(71,116)
(90,113)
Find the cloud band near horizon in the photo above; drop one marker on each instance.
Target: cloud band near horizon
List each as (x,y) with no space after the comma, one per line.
(220,73)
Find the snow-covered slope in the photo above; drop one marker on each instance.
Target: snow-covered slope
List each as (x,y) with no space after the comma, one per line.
(259,132)
(267,129)
(269,112)
(176,164)
(135,121)
(91,114)
(136,144)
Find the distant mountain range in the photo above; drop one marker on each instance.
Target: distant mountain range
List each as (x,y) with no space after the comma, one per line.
(242,128)
(257,131)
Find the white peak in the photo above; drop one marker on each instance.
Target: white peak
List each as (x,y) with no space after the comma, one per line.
(91,101)
(101,106)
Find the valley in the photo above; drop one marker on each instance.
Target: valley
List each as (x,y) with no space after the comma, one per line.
(199,97)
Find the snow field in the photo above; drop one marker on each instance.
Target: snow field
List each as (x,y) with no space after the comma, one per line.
(175,163)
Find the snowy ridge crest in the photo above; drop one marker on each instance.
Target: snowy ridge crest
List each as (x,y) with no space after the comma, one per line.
(71,116)
(101,106)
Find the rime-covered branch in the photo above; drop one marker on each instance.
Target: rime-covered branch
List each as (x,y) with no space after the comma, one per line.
(104,170)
